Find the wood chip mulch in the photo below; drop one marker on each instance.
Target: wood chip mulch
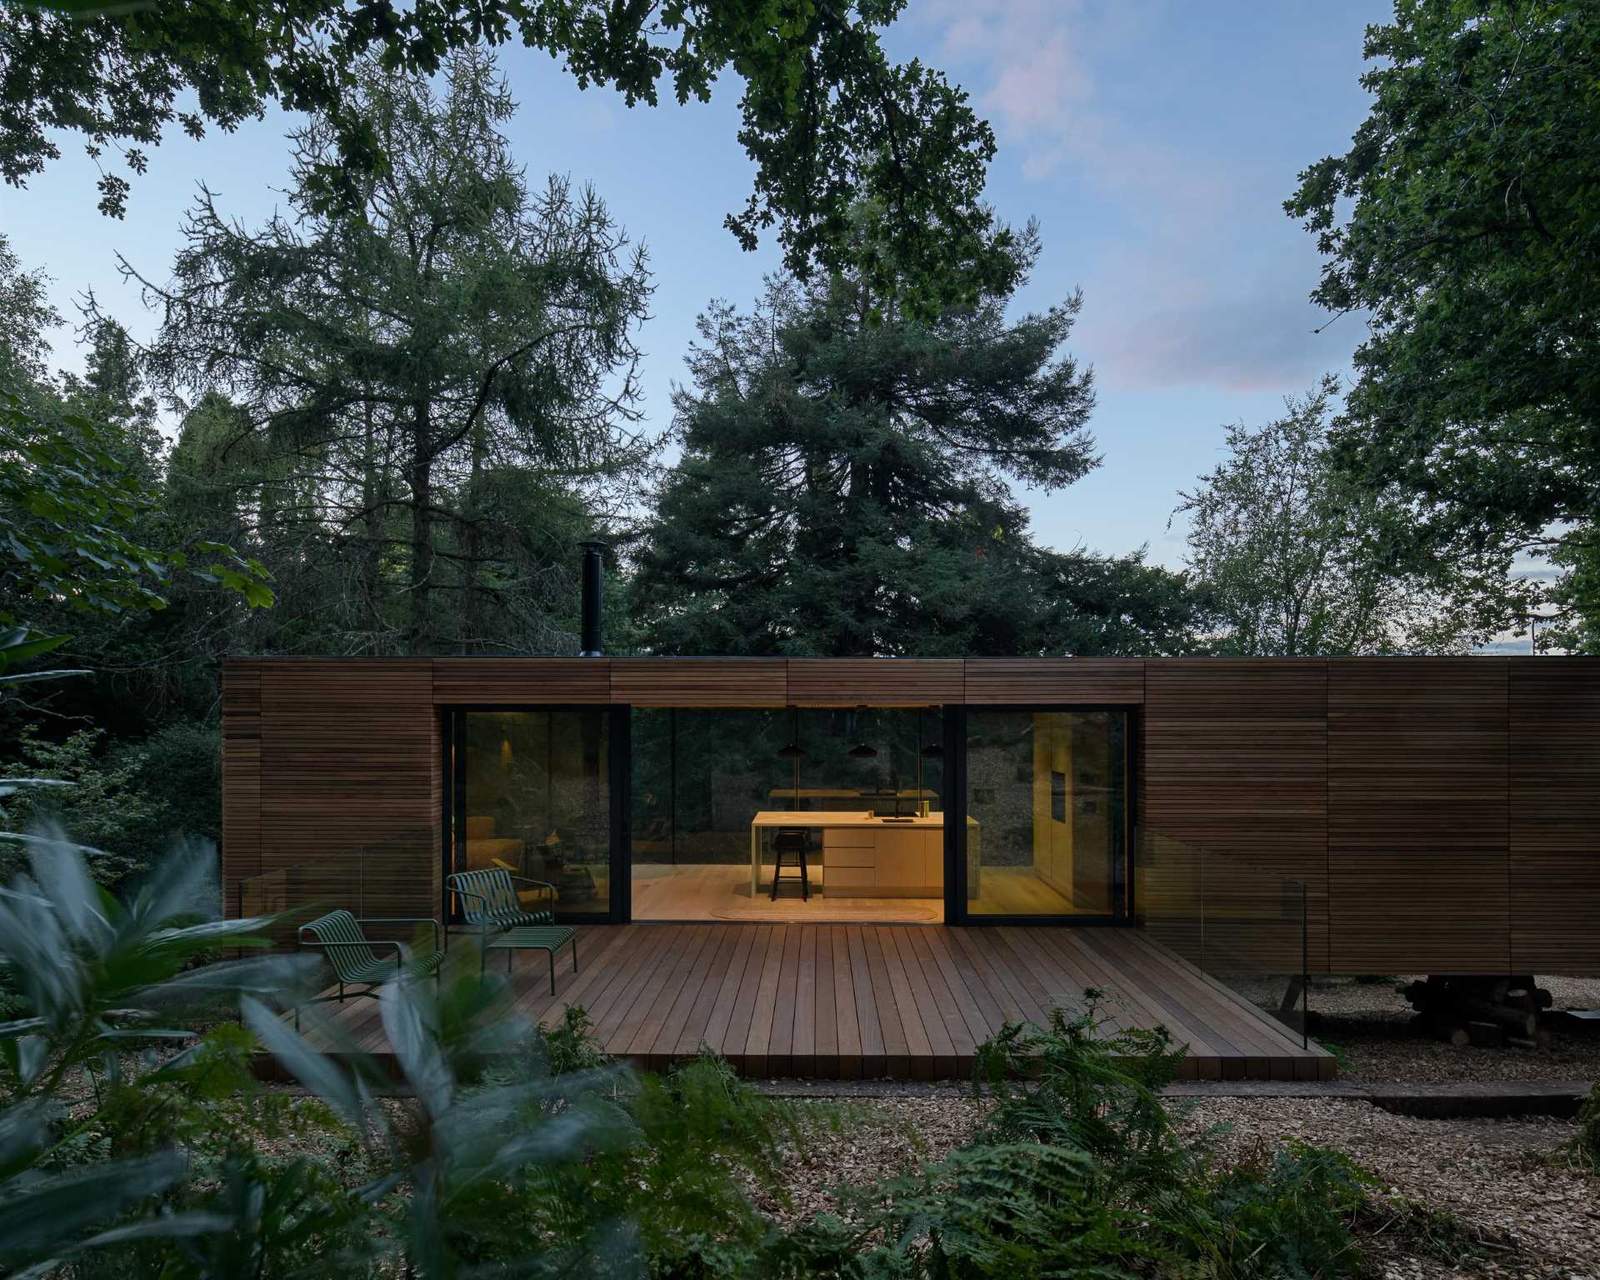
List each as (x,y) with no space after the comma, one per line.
(1529,1213)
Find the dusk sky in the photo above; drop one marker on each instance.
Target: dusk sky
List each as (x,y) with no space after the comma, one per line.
(1154,142)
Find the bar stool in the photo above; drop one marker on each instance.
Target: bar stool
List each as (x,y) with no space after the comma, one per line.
(793,842)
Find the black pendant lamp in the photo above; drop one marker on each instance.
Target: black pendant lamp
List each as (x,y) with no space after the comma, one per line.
(793,752)
(863,750)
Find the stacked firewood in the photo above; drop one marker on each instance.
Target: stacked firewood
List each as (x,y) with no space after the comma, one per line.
(1481,1010)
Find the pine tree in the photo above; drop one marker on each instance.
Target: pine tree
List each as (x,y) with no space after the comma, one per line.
(845,485)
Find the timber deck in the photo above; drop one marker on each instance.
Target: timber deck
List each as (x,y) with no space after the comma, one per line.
(871,1001)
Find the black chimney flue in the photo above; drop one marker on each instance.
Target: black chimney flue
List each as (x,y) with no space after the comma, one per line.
(592,565)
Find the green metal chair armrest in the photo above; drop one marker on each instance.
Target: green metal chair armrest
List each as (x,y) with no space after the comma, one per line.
(482,924)
(467,893)
(542,884)
(368,944)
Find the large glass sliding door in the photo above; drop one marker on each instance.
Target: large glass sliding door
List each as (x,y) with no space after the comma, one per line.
(711,789)
(672,814)
(1046,813)
(533,796)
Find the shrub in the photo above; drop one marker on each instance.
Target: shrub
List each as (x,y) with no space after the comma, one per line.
(129,801)
(1289,1216)
(104,807)
(179,770)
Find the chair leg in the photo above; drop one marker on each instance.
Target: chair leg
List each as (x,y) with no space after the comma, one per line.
(574,953)
(508,962)
(552,954)
(777,870)
(805,878)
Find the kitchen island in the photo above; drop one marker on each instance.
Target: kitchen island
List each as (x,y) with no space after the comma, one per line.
(866,856)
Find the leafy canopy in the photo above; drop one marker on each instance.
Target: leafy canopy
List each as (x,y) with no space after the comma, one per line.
(826,117)
(1295,554)
(1464,221)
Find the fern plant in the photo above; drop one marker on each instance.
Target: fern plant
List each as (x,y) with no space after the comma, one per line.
(95,976)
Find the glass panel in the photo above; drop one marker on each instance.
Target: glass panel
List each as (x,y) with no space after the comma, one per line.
(1046,811)
(698,778)
(537,801)
(709,786)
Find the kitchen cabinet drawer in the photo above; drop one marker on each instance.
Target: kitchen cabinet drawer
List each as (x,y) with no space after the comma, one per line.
(847,880)
(848,838)
(849,856)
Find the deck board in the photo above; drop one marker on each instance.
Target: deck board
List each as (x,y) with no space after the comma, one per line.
(865,1001)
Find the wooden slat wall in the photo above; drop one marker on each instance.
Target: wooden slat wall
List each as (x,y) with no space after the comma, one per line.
(349,797)
(1446,812)
(1041,681)
(1235,770)
(241,780)
(700,682)
(1555,814)
(553,681)
(1417,815)
(777,682)
(878,682)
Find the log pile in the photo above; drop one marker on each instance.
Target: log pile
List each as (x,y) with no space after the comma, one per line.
(1481,1010)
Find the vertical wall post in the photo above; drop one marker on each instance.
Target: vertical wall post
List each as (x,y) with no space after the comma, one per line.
(1305,966)
(955,813)
(620,761)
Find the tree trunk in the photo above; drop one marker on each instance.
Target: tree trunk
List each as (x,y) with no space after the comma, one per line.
(469,636)
(419,637)
(372,491)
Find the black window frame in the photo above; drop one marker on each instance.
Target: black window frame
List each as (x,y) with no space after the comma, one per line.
(619,906)
(618,769)
(955,831)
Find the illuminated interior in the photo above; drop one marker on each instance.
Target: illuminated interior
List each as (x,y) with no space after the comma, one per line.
(711,794)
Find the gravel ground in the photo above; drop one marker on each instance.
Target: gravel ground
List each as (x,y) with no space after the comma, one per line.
(1537,1217)
(877,1138)
(1533,1217)
(1367,1025)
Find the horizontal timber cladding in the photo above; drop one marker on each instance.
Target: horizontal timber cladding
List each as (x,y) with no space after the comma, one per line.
(1555,814)
(879,682)
(1417,815)
(553,681)
(1042,681)
(350,800)
(241,780)
(700,682)
(1443,812)
(1234,785)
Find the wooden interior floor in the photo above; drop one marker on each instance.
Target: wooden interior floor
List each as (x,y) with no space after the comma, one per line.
(858,1001)
(721,891)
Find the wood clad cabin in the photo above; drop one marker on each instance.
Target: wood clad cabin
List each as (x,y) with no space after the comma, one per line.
(1432,815)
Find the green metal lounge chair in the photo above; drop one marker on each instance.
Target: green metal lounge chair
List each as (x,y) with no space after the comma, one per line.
(356,959)
(489,902)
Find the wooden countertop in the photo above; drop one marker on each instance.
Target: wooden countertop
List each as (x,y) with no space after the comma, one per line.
(838,818)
